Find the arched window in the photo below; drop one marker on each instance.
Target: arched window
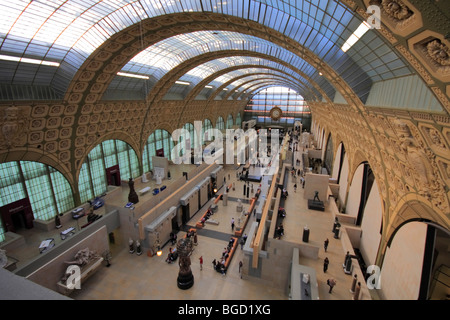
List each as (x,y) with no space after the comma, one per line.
(47,189)
(220,124)
(230,122)
(238,120)
(293,107)
(92,180)
(206,126)
(159,143)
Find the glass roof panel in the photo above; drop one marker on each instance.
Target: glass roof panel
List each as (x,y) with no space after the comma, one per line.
(158,59)
(69,31)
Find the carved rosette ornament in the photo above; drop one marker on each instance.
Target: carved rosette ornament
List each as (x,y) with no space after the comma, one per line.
(438,52)
(13,128)
(396,9)
(399,16)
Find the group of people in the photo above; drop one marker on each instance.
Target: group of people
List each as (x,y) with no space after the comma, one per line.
(279,232)
(298,173)
(219,266)
(281,212)
(172,255)
(208,214)
(173,238)
(284,194)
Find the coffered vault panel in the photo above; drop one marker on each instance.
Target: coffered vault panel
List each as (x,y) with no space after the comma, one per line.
(69,32)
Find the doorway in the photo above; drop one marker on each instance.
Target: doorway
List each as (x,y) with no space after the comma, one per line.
(17,215)
(185,216)
(113,176)
(18,220)
(175,226)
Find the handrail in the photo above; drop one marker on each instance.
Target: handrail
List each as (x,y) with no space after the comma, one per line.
(258,240)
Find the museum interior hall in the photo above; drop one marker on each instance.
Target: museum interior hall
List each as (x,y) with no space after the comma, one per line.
(225,150)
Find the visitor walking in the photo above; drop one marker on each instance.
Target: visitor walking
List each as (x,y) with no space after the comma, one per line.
(242,242)
(325,244)
(232,224)
(201,262)
(326,262)
(331,282)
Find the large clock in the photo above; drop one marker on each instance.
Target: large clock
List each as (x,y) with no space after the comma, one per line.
(275,113)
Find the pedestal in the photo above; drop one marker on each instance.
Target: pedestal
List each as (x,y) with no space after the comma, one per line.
(352,289)
(185,281)
(225,199)
(316,205)
(348,267)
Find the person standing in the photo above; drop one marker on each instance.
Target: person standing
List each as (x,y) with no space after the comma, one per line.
(242,242)
(295,187)
(214,262)
(232,224)
(201,262)
(240,268)
(325,244)
(357,291)
(331,283)
(326,262)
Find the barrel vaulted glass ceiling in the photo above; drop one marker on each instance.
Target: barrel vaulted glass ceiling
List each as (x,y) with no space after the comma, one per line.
(68,32)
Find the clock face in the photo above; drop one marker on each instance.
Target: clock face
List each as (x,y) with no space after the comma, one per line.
(275,113)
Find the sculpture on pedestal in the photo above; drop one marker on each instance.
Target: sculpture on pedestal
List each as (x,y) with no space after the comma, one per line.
(57,222)
(138,248)
(131,246)
(132,196)
(315,203)
(316,196)
(185,278)
(83,257)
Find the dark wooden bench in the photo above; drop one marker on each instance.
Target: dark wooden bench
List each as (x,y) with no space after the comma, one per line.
(230,254)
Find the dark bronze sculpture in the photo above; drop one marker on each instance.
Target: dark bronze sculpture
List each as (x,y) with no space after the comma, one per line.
(132,196)
(185,278)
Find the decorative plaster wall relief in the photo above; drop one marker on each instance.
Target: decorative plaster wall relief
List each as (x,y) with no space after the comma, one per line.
(14,128)
(435,139)
(421,161)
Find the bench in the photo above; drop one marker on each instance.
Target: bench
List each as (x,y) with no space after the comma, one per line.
(199,223)
(67,233)
(230,255)
(145,190)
